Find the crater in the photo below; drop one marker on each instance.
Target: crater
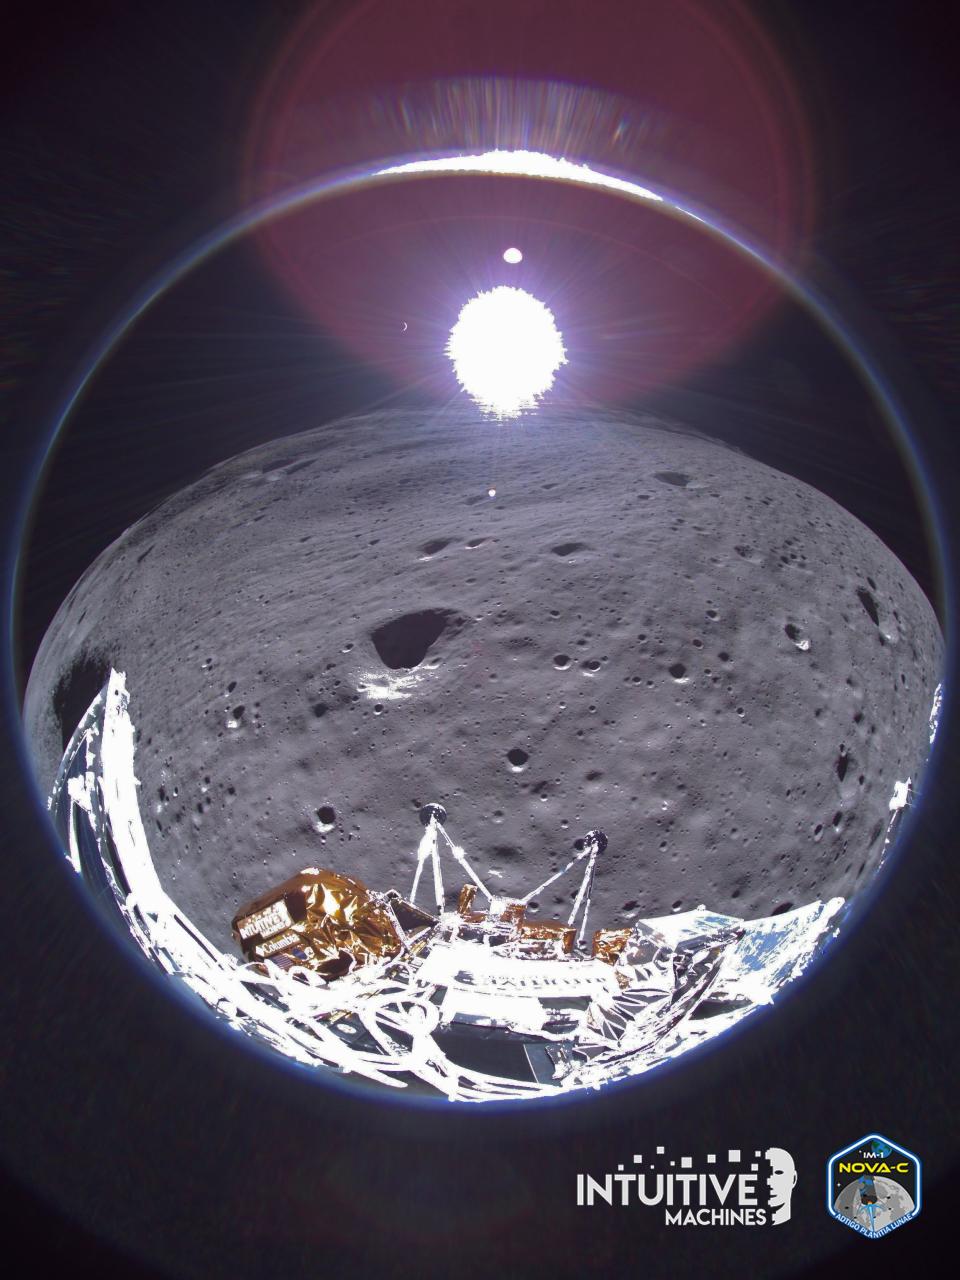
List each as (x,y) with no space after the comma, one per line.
(796,635)
(868,602)
(327,817)
(434,546)
(404,642)
(76,689)
(677,478)
(517,757)
(568,548)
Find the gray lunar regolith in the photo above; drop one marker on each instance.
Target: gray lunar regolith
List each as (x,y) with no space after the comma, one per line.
(642,630)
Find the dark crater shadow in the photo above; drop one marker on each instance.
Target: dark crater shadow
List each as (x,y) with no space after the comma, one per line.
(869,604)
(76,689)
(434,546)
(404,642)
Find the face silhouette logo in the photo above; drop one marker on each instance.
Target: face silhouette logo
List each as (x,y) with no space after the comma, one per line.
(781,1180)
(873,1186)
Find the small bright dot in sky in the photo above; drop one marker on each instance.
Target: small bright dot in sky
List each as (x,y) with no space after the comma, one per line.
(505,349)
(512,256)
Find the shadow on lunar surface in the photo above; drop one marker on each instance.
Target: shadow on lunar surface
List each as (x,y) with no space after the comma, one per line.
(75,691)
(404,642)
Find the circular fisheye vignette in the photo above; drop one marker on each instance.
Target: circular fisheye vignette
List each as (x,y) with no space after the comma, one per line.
(534,166)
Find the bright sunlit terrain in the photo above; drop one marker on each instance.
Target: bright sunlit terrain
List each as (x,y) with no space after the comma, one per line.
(505,349)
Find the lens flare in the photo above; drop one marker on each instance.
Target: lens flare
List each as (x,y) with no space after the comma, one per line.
(505,348)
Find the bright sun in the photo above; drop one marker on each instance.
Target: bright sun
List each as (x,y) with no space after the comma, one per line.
(505,349)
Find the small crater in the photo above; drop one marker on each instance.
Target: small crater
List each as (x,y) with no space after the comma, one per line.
(326,817)
(300,466)
(568,548)
(677,478)
(476,542)
(796,635)
(434,546)
(320,709)
(842,764)
(678,671)
(784,906)
(518,758)
(590,666)
(561,661)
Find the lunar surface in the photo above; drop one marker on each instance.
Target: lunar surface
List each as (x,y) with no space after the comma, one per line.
(547,626)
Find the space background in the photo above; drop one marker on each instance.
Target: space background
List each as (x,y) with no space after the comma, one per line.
(131,1139)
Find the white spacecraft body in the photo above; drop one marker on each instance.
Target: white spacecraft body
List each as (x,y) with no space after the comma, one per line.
(469,1005)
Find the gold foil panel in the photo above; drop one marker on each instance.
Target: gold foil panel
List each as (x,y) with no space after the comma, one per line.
(558,937)
(465,901)
(338,925)
(609,943)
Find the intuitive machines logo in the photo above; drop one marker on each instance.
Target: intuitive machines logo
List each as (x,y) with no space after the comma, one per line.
(873,1186)
(725,1190)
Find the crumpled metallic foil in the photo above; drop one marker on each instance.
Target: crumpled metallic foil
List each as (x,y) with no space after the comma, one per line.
(506,924)
(335,924)
(366,983)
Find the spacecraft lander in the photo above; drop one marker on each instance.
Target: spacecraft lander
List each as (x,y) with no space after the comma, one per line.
(492,975)
(476,1000)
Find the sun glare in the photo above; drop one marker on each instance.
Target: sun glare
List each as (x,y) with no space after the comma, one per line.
(505,349)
